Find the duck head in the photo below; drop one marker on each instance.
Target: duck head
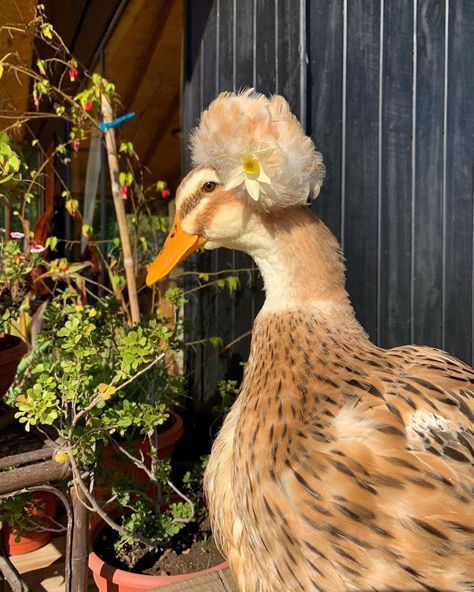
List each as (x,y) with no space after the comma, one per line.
(252,161)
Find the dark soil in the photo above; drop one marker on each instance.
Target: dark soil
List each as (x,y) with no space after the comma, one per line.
(194,549)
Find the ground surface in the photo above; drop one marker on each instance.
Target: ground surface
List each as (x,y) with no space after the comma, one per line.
(43,570)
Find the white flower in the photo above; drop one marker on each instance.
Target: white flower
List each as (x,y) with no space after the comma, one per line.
(249,172)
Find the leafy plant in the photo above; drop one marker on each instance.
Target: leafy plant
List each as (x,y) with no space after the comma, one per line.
(98,373)
(22,513)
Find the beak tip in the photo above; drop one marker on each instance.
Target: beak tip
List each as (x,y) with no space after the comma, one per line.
(150,280)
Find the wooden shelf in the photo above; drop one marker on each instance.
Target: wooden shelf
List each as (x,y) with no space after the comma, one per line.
(43,570)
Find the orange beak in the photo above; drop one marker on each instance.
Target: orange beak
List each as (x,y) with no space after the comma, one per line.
(178,245)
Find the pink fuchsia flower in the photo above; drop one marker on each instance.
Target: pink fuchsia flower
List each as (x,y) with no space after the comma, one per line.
(88,105)
(75,145)
(165,193)
(72,74)
(36,101)
(35,247)
(17,234)
(124,191)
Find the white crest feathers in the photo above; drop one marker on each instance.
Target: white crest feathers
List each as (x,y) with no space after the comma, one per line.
(249,123)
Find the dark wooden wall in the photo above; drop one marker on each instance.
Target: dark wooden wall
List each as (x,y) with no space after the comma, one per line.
(385,87)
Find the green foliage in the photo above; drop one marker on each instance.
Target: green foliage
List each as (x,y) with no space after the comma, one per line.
(15,278)
(87,359)
(22,513)
(192,479)
(9,160)
(176,296)
(216,341)
(228,392)
(91,375)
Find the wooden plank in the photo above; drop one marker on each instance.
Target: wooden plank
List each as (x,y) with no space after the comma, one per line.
(220,581)
(289,40)
(245,72)
(428,171)
(324,119)
(194,22)
(244,45)
(43,569)
(265,56)
(360,145)
(207,262)
(35,474)
(458,296)
(225,258)
(395,199)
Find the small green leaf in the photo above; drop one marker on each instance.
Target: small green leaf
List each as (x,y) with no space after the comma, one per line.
(51,243)
(86,229)
(216,341)
(47,30)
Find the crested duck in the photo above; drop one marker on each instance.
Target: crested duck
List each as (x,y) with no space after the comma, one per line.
(341,466)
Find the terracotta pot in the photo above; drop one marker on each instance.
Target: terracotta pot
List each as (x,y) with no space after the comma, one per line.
(12,349)
(33,539)
(115,463)
(113,579)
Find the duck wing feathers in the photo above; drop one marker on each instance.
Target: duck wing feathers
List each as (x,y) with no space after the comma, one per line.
(362,460)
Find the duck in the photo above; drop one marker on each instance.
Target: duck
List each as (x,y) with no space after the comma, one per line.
(342,466)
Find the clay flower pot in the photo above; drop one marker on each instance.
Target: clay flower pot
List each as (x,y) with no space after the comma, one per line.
(113,579)
(12,349)
(36,538)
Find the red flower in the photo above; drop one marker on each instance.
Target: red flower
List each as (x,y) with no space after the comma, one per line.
(88,105)
(165,193)
(75,145)
(124,191)
(36,101)
(72,74)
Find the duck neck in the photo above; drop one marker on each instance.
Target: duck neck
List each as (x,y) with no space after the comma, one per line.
(301,264)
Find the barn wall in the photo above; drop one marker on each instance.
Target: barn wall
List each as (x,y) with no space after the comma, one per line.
(385,88)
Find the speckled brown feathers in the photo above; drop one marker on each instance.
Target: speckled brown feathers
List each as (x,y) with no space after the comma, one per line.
(342,467)
(345,467)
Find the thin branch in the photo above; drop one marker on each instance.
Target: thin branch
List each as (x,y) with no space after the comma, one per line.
(99,397)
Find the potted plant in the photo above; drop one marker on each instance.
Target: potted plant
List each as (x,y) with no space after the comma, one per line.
(102,363)
(180,547)
(16,265)
(28,521)
(84,389)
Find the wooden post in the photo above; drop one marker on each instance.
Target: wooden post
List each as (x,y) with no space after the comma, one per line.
(120,211)
(80,547)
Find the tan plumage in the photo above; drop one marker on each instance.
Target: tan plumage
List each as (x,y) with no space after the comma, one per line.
(341,466)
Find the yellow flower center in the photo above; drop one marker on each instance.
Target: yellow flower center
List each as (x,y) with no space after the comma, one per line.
(251,166)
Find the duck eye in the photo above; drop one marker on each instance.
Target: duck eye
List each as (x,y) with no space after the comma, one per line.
(209,187)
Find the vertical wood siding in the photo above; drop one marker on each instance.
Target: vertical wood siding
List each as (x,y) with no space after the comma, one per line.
(385,88)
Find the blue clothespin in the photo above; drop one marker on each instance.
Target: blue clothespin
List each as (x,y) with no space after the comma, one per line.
(105,125)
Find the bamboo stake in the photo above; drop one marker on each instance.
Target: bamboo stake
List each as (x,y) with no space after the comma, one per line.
(79,550)
(120,211)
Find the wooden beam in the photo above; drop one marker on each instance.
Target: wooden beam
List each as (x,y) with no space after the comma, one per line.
(36,474)
(16,460)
